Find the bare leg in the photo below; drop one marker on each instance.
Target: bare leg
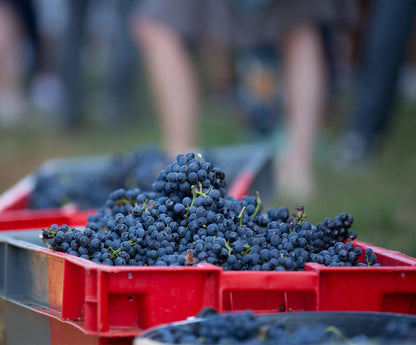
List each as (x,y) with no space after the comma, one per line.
(174,83)
(11,74)
(305,84)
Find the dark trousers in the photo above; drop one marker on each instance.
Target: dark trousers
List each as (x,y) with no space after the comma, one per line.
(384,50)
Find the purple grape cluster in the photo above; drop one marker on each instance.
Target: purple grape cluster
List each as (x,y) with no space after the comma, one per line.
(187,219)
(331,231)
(89,189)
(249,329)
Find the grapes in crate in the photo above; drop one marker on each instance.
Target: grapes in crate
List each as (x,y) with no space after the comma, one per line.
(87,184)
(187,218)
(295,329)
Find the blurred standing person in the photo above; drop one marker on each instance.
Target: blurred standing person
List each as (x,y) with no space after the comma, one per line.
(121,55)
(18,43)
(71,63)
(163,28)
(384,50)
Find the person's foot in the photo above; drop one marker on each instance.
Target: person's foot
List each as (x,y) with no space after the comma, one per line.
(47,93)
(12,108)
(354,150)
(294,183)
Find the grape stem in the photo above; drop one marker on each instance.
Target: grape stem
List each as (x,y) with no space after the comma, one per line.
(335,331)
(125,201)
(240,216)
(248,249)
(114,252)
(368,262)
(230,250)
(144,204)
(258,203)
(200,186)
(194,194)
(201,193)
(201,159)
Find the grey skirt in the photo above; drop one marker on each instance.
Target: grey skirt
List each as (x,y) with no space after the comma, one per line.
(239,23)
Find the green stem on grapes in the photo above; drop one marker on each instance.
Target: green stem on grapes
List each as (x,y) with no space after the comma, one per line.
(114,252)
(194,194)
(200,186)
(240,216)
(335,331)
(227,245)
(368,262)
(258,203)
(201,159)
(248,249)
(144,204)
(300,217)
(203,194)
(121,201)
(45,241)
(49,231)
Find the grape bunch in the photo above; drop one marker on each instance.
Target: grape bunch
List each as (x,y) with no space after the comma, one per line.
(338,255)
(331,231)
(187,218)
(90,188)
(249,329)
(86,190)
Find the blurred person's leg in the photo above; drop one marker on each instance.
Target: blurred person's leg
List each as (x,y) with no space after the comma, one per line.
(383,54)
(11,65)
(121,76)
(71,63)
(305,80)
(173,79)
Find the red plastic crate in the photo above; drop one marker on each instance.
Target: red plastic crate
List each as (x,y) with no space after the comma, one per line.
(46,330)
(29,219)
(15,213)
(17,197)
(388,288)
(116,302)
(101,300)
(269,292)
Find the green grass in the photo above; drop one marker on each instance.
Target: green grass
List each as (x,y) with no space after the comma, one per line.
(381,198)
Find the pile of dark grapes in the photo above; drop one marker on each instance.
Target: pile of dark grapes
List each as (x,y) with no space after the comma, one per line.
(249,329)
(89,188)
(187,219)
(86,190)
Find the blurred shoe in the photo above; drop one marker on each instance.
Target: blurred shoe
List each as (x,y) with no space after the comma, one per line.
(12,107)
(354,150)
(294,184)
(47,93)
(407,83)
